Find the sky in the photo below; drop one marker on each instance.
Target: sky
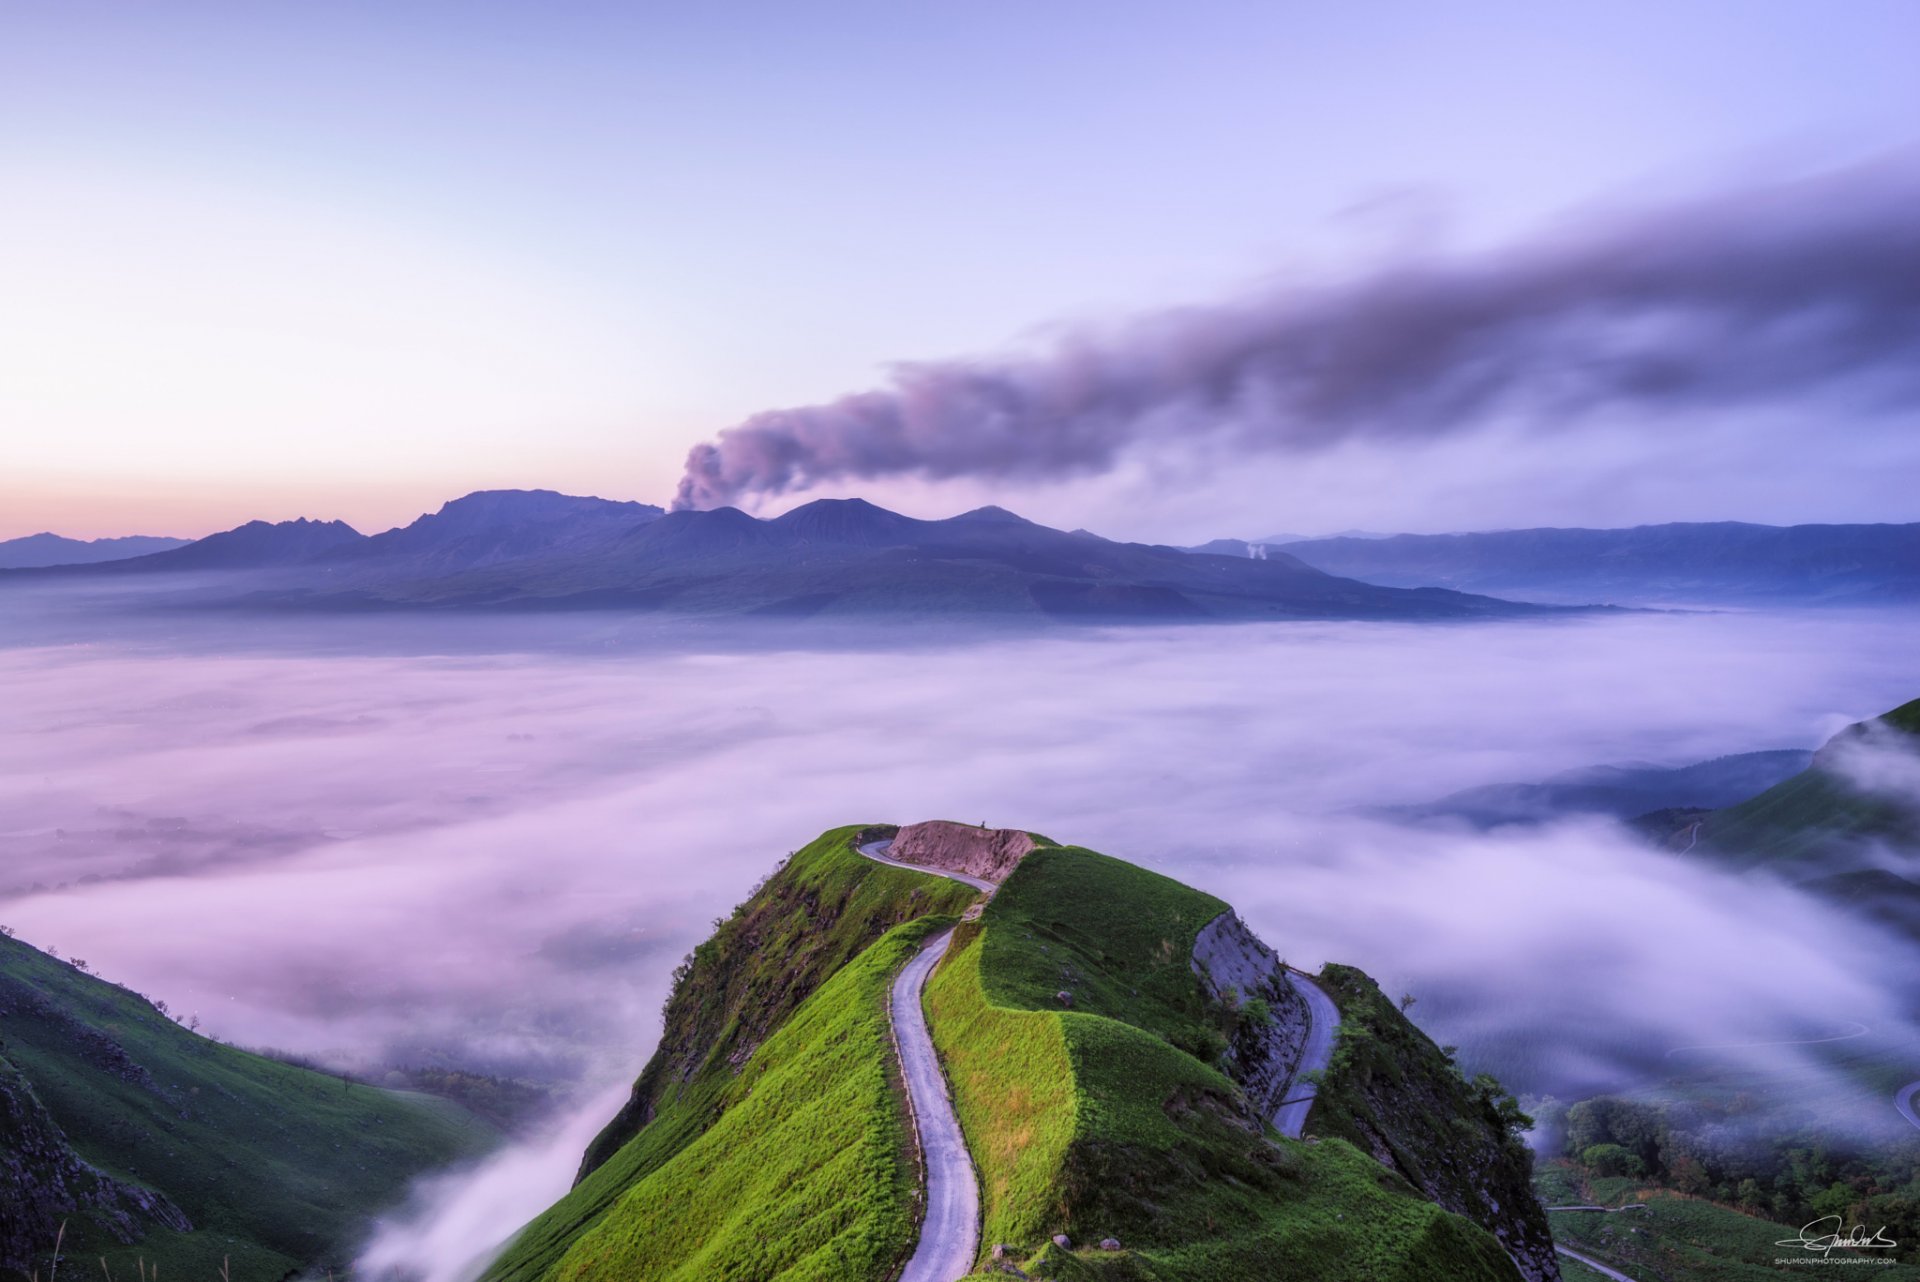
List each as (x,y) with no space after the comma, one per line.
(353,260)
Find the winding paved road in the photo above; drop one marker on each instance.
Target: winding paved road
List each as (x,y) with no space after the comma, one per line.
(1323,1021)
(877,851)
(950,1233)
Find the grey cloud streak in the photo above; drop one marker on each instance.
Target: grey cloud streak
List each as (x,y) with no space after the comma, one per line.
(1805,289)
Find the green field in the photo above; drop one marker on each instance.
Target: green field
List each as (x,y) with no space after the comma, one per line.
(277,1167)
(1676,1238)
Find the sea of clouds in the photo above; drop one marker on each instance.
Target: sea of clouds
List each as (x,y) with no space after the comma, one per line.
(493,851)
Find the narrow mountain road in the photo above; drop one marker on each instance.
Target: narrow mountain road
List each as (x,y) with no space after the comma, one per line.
(1592,1263)
(950,1233)
(877,851)
(1323,1021)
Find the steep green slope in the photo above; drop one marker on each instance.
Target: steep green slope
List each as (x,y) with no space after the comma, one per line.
(808,1174)
(156,1144)
(1395,1094)
(767,1140)
(817,913)
(1146,1141)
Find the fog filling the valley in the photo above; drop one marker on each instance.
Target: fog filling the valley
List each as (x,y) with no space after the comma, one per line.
(496,859)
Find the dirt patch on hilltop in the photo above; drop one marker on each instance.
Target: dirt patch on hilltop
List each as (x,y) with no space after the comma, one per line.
(988,853)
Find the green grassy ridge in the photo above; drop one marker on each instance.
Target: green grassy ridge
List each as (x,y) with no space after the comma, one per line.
(812,916)
(278,1167)
(1151,1144)
(1679,1238)
(1013,1090)
(782,944)
(808,1176)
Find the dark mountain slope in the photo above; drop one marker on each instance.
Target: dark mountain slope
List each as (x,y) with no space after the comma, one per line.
(849,558)
(51,549)
(253,545)
(1622,791)
(491,526)
(1814,822)
(153,1143)
(1832,827)
(1679,563)
(257,545)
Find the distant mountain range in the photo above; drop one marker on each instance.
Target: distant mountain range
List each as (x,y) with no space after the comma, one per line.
(53,549)
(535,550)
(1681,564)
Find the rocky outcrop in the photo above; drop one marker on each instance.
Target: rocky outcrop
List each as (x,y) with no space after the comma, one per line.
(43,1182)
(1393,1093)
(1243,973)
(987,853)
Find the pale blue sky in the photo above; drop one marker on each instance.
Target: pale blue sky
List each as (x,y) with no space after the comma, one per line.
(279,259)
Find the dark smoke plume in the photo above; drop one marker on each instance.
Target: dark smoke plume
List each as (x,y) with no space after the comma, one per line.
(1801,289)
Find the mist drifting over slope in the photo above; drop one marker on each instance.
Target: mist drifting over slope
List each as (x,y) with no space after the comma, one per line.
(496,856)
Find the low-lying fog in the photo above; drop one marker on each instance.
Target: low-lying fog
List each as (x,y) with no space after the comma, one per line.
(497,858)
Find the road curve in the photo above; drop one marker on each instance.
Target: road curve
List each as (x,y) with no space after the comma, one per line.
(877,851)
(950,1233)
(1592,1263)
(1903,1100)
(1323,1021)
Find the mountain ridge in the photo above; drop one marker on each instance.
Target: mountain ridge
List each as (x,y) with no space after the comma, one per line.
(766,1135)
(830,559)
(33,551)
(1674,562)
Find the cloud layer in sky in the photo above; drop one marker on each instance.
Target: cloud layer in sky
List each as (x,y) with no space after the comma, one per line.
(1802,294)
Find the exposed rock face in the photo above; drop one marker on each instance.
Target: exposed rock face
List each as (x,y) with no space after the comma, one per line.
(43,1182)
(1236,966)
(1393,1093)
(988,853)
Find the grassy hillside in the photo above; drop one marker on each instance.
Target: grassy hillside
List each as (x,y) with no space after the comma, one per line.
(824,908)
(1800,825)
(1392,1092)
(767,1139)
(1680,1238)
(275,1166)
(1143,1139)
(808,1174)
